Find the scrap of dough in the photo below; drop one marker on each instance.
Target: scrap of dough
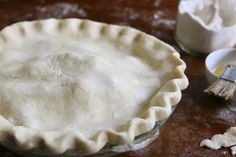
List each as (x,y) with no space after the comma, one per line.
(233,150)
(227,139)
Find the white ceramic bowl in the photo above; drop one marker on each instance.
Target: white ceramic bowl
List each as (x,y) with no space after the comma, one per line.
(216,58)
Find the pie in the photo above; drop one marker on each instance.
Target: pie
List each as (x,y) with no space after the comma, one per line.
(78,84)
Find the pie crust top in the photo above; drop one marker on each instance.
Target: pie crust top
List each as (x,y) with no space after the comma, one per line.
(78,84)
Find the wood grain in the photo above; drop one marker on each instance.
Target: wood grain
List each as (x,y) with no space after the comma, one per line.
(196,117)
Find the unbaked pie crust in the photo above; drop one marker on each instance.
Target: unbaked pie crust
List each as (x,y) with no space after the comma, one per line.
(78,84)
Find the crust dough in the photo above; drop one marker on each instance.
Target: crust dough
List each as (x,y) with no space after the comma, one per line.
(228,139)
(78,84)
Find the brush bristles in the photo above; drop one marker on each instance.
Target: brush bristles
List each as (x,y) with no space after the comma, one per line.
(222,88)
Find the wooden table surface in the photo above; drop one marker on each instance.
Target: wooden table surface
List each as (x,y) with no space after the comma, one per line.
(196,117)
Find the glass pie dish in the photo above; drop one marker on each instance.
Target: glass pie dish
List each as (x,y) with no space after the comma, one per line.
(81,85)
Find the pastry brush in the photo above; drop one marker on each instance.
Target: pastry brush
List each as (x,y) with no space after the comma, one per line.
(226,84)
